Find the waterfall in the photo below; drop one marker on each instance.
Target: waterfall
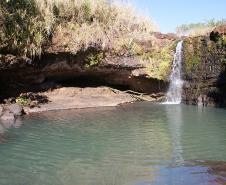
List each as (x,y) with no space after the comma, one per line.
(176,83)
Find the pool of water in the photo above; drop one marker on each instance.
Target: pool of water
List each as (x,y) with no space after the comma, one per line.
(135,144)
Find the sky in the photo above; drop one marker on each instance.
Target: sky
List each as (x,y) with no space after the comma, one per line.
(168,14)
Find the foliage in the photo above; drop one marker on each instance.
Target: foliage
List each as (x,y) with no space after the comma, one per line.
(159,61)
(21,30)
(23,100)
(94,59)
(28,25)
(197,29)
(192,53)
(203,53)
(215,36)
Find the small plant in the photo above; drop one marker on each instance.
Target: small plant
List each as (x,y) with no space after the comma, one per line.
(93,59)
(23,100)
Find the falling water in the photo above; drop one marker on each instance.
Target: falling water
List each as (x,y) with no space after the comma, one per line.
(176,83)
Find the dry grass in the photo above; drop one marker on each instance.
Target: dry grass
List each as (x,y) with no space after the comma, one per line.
(199,29)
(94,23)
(74,24)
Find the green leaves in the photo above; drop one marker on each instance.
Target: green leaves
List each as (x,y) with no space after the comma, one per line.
(22,28)
(94,59)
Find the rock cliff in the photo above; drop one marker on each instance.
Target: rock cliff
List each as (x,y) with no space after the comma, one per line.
(91,67)
(204,69)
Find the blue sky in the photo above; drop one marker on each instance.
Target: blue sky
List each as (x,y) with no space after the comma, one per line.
(170,13)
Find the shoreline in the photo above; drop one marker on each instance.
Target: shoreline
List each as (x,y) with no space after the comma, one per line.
(69,98)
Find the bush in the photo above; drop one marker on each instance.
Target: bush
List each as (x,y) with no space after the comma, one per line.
(22,29)
(159,60)
(23,100)
(28,25)
(94,59)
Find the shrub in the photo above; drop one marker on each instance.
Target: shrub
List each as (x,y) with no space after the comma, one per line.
(93,59)
(21,31)
(27,25)
(23,100)
(159,60)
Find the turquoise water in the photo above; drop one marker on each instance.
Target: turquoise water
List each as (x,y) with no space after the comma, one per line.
(135,144)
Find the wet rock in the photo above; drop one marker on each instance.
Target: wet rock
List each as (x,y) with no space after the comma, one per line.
(16,109)
(1,130)
(18,123)
(8,117)
(10,101)
(204,79)
(7,123)
(33,104)
(2,139)
(1,110)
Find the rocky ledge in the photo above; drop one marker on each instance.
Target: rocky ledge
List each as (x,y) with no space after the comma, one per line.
(62,80)
(63,98)
(139,71)
(77,98)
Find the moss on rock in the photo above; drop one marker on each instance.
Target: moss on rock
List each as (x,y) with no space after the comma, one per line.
(192,54)
(159,61)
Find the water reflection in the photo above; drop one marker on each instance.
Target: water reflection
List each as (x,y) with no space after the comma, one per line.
(174,119)
(138,144)
(6,125)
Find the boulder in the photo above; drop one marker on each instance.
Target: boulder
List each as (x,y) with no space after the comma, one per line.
(16,109)
(1,110)
(8,116)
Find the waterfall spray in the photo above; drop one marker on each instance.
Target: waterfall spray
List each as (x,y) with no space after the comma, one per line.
(176,82)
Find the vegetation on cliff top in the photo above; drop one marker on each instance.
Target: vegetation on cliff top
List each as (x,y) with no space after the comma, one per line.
(29,26)
(201,28)
(32,27)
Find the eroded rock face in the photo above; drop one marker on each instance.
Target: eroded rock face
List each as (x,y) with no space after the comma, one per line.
(21,74)
(204,71)
(128,72)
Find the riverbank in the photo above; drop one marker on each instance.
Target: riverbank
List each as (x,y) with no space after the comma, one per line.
(78,98)
(64,98)
(91,52)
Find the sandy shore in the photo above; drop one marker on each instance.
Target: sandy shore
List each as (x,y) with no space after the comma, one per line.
(76,98)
